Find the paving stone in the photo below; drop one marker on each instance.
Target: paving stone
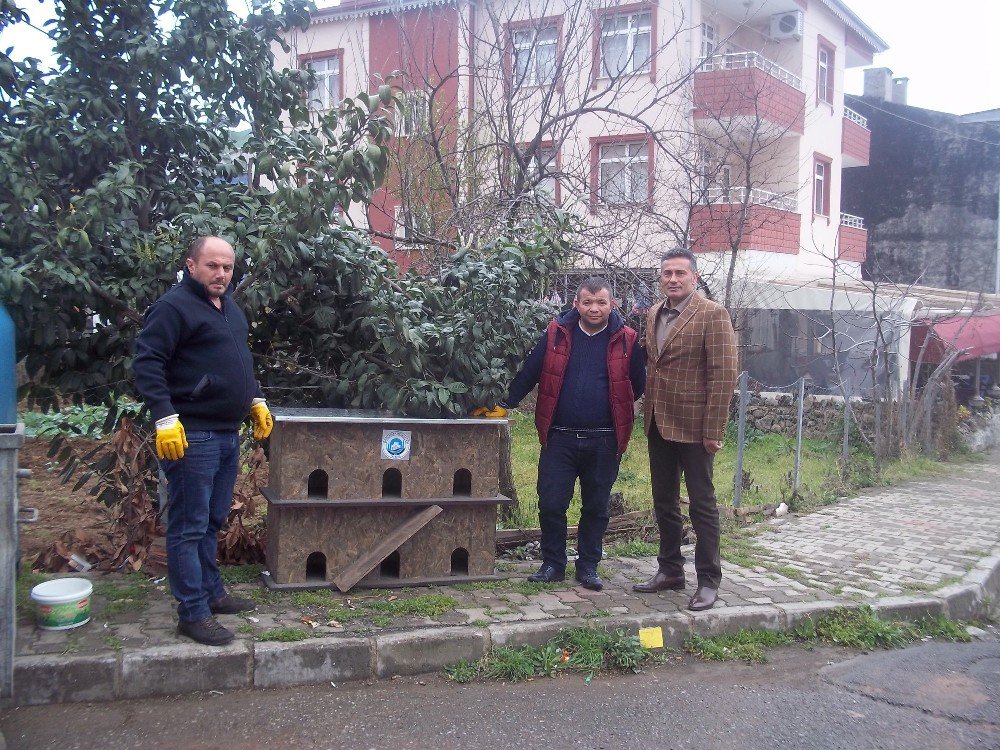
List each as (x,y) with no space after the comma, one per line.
(40,679)
(427,650)
(312,662)
(963,601)
(908,608)
(723,620)
(185,668)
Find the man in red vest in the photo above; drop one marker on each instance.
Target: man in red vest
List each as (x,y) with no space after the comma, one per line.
(589,373)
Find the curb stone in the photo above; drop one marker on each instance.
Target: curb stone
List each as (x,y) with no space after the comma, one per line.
(186,668)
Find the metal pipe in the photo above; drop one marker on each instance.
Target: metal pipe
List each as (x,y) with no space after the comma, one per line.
(740,437)
(798,436)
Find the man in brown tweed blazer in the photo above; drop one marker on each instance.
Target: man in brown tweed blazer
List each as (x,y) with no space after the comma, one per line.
(691,373)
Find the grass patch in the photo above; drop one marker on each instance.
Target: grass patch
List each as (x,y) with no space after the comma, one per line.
(633,548)
(245,628)
(746,645)
(312,598)
(263,596)
(579,649)
(113,642)
(25,582)
(382,612)
(233,574)
(127,595)
(768,463)
(858,628)
(285,635)
(738,547)
(520,586)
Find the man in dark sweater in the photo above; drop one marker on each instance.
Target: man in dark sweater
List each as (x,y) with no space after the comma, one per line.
(589,372)
(194,370)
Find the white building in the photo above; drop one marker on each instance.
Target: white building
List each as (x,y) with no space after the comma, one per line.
(717,124)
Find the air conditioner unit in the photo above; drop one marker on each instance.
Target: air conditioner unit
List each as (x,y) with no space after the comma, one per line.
(787,25)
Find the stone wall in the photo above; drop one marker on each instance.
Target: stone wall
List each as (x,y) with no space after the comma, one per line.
(822,416)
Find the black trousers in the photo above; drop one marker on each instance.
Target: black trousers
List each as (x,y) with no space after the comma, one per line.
(667,460)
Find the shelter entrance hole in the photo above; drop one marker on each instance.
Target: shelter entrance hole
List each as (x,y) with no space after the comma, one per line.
(316,567)
(392,483)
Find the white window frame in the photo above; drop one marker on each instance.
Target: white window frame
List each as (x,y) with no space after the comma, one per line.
(412,114)
(824,87)
(529,67)
(610,167)
(821,188)
(638,24)
(709,40)
(327,83)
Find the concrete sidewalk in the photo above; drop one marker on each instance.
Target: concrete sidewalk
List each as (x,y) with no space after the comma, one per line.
(924,548)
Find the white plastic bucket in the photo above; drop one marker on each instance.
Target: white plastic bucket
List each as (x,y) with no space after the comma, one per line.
(62,603)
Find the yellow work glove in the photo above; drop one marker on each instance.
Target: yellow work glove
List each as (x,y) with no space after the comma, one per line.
(497,412)
(263,422)
(170,438)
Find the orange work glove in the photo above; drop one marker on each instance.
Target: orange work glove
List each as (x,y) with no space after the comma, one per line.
(170,438)
(263,422)
(497,412)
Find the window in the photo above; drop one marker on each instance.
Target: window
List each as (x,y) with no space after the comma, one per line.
(412,223)
(326,90)
(412,114)
(626,43)
(708,40)
(715,175)
(535,52)
(821,186)
(824,74)
(541,175)
(623,172)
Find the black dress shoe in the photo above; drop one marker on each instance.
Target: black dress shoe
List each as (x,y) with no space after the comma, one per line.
(589,580)
(660,582)
(547,574)
(704,598)
(207,631)
(230,605)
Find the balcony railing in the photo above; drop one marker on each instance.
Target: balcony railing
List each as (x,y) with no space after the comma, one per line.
(849,220)
(738,60)
(781,201)
(853,116)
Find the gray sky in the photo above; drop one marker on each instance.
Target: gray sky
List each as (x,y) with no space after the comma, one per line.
(946,49)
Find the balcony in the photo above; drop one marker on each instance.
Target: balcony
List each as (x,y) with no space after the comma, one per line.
(751,219)
(747,84)
(852,238)
(856,140)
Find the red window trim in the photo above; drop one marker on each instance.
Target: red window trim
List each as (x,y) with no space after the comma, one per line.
(819,158)
(508,53)
(326,55)
(822,43)
(619,10)
(595,166)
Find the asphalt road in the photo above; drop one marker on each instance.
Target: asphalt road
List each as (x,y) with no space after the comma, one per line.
(936,696)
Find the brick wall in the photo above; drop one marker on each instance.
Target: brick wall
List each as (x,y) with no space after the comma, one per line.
(852,243)
(720,94)
(765,228)
(857,142)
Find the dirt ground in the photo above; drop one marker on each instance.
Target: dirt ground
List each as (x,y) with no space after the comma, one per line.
(60,509)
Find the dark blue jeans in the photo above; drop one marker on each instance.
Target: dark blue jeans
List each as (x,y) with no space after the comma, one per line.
(200,486)
(593,458)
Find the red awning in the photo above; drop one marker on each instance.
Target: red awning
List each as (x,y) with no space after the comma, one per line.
(975,336)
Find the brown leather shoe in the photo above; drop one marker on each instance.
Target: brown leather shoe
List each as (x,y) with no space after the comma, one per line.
(704,598)
(660,582)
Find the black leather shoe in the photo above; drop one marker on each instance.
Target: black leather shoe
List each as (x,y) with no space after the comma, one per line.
(230,605)
(547,574)
(589,580)
(704,598)
(207,631)
(660,582)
